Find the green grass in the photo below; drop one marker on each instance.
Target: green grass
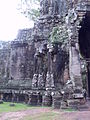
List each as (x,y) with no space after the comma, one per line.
(51,115)
(70,110)
(42,116)
(5,107)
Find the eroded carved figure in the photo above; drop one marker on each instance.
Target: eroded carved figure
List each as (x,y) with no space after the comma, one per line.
(45,7)
(41,81)
(49,80)
(34,80)
(56,7)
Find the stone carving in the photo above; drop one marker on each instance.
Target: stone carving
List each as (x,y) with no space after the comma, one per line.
(56,7)
(41,82)
(45,7)
(75,65)
(35,81)
(49,80)
(82,6)
(39,64)
(33,62)
(57,98)
(72,15)
(53,7)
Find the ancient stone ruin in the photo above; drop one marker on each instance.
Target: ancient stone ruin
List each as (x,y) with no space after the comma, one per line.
(36,71)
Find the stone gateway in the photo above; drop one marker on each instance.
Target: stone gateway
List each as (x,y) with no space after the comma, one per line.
(36,71)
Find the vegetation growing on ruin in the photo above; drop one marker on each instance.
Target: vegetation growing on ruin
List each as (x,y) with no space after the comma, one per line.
(30,8)
(59,34)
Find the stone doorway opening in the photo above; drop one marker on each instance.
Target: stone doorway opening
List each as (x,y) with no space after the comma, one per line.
(84,44)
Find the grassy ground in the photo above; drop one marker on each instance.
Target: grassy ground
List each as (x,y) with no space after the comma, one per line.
(5,107)
(24,112)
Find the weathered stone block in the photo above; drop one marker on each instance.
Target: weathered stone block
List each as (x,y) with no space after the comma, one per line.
(73,103)
(12,105)
(63,105)
(47,100)
(1,101)
(56,102)
(78,96)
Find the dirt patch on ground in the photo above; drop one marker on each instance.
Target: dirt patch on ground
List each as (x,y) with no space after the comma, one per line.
(20,114)
(76,115)
(85,115)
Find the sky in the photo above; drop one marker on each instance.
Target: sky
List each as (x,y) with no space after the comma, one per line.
(11,20)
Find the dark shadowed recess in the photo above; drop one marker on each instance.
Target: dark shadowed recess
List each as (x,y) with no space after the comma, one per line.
(84,43)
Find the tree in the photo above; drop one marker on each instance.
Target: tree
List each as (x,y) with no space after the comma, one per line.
(30,8)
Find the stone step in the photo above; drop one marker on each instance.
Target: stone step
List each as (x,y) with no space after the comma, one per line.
(86,106)
(83,107)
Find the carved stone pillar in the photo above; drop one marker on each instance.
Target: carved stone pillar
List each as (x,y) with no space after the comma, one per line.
(66,75)
(49,76)
(1,96)
(39,100)
(13,97)
(17,99)
(40,81)
(74,56)
(49,80)
(35,81)
(29,101)
(57,101)
(75,67)
(47,100)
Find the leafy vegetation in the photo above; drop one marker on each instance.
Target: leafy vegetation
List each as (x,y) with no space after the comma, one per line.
(30,8)
(59,34)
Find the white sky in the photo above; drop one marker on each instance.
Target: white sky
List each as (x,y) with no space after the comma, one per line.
(11,20)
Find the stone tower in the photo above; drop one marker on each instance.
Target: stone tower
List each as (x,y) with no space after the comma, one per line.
(40,72)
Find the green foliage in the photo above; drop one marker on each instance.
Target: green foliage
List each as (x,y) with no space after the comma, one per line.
(33,14)
(59,34)
(30,8)
(70,110)
(5,107)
